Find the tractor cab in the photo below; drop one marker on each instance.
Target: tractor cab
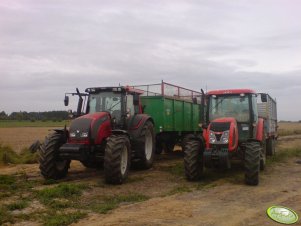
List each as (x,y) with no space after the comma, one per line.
(234,110)
(120,102)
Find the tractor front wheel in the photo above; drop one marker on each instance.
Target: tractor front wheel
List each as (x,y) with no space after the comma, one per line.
(117,159)
(193,159)
(51,166)
(252,162)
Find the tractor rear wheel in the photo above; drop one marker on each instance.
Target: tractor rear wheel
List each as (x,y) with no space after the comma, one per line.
(270,149)
(117,159)
(51,166)
(146,149)
(252,163)
(193,159)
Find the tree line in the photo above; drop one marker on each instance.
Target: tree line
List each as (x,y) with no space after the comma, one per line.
(35,116)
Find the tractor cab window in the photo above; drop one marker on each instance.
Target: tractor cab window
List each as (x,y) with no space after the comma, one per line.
(105,101)
(236,106)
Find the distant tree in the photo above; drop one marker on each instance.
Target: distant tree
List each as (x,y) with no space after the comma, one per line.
(3,115)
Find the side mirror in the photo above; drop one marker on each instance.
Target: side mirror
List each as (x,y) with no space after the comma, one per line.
(66,101)
(136,99)
(264,97)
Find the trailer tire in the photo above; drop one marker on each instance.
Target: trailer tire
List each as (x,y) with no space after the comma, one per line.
(117,159)
(146,149)
(270,148)
(252,163)
(51,166)
(193,159)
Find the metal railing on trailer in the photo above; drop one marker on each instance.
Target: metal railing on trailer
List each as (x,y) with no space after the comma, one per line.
(170,90)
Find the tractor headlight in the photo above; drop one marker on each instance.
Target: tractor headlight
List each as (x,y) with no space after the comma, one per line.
(72,134)
(84,134)
(212,137)
(225,137)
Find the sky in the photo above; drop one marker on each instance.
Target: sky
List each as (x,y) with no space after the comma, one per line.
(51,47)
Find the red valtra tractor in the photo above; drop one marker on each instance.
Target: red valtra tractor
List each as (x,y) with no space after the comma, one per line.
(110,130)
(239,123)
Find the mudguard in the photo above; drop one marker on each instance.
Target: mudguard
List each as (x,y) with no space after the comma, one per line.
(259,130)
(136,124)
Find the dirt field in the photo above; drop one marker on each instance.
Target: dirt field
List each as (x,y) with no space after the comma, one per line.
(159,196)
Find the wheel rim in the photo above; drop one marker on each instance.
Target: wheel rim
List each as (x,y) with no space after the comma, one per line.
(124,160)
(148,145)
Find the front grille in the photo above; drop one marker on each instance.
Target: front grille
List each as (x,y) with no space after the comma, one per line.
(219,126)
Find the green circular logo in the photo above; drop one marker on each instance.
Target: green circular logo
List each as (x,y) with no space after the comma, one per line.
(282,214)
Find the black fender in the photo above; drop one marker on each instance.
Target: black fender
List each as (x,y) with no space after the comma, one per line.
(136,123)
(120,132)
(64,131)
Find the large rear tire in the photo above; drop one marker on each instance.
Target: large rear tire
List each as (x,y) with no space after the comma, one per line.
(193,159)
(146,147)
(252,162)
(51,166)
(117,159)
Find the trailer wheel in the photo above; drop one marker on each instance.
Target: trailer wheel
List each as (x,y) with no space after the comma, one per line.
(146,149)
(117,159)
(193,159)
(51,166)
(252,163)
(270,149)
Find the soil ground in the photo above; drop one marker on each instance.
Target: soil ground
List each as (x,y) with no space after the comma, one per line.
(221,199)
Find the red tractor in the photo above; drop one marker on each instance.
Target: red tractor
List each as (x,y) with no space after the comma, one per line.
(113,132)
(238,124)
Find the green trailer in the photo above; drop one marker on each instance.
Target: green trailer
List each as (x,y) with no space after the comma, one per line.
(177,113)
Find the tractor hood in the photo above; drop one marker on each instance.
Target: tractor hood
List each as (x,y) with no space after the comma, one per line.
(223,131)
(86,129)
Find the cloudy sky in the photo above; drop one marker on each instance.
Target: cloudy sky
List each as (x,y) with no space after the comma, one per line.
(50,47)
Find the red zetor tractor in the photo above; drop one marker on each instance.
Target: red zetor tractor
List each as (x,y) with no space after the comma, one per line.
(238,124)
(113,132)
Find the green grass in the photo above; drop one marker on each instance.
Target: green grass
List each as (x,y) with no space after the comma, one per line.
(8,156)
(61,219)
(284,154)
(28,123)
(7,182)
(48,196)
(5,216)
(18,205)
(180,189)
(176,170)
(110,203)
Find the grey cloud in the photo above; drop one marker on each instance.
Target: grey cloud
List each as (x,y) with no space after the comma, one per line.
(50,47)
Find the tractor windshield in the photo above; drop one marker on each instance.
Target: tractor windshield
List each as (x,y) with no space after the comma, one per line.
(235,106)
(105,101)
